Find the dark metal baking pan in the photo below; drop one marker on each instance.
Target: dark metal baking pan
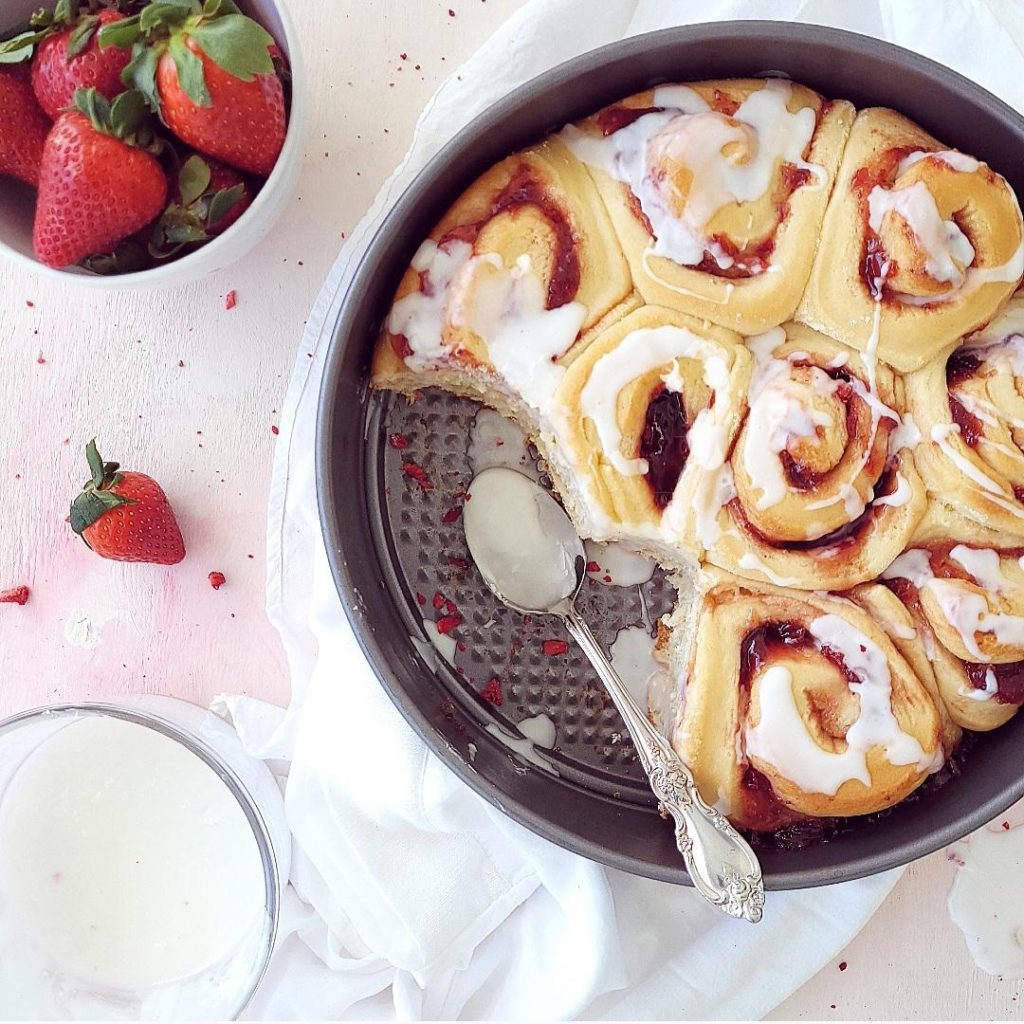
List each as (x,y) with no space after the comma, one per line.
(385,541)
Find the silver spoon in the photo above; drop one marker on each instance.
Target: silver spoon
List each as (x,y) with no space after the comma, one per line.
(529,554)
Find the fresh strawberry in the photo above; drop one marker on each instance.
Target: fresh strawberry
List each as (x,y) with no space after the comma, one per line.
(243,122)
(23,126)
(125,516)
(210,73)
(72,59)
(97,185)
(207,197)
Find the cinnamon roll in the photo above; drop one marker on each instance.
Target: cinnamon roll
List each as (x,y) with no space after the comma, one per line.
(717,191)
(820,490)
(642,415)
(796,706)
(520,268)
(920,245)
(965,592)
(970,411)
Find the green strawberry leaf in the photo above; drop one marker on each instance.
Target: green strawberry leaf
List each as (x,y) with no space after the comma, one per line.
(216,8)
(66,11)
(140,74)
(91,505)
(82,35)
(123,34)
(183,234)
(20,47)
(96,467)
(237,44)
(223,202)
(96,107)
(127,113)
(166,13)
(41,19)
(193,179)
(190,72)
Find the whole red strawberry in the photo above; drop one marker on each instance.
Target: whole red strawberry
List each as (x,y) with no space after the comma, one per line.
(73,59)
(23,126)
(125,516)
(96,187)
(242,122)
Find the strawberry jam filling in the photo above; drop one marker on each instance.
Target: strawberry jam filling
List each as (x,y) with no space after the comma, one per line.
(1009,677)
(664,444)
(522,191)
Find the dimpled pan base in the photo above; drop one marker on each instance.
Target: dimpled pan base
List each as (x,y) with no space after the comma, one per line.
(384,548)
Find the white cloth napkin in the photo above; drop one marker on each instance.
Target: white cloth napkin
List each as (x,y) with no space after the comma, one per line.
(411,896)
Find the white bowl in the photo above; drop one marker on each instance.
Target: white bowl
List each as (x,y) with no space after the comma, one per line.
(17,201)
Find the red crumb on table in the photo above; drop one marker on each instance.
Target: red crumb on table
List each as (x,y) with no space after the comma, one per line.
(842,965)
(16,595)
(398,441)
(492,693)
(446,624)
(458,563)
(181,363)
(1006,826)
(40,359)
(450,606)
(417,473)
(554,647)
(451,13)
(420,599)
(231,299)
(438,601)
(30,304)
(593,567)
(452,514)
(217,580)
(404,56)
(275,429)
(606,578)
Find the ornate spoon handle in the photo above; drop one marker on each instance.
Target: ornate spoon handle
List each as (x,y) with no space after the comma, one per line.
(723,867)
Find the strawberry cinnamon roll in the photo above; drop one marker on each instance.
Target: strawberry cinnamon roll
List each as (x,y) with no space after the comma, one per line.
(820,490)
(794,706)
(522,267)
(717,191)
(920,245)
(970,411)
(643,414)
(964,589)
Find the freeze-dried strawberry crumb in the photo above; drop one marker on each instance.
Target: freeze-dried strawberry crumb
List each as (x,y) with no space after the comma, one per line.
(398,441)
(217,580)
(16,595)
(450,606)
(438,601)
(275,429)
(593,567)
(404,56)
(554,647)
(842,965)
(446,624)
(420,599)
(452,514)
(417,473)
(1006,826)
(231,299)
(492,693)
(607,578)
(460,646)
(458,563)
(41,359)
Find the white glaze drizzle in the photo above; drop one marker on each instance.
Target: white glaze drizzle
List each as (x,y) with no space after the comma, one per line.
(781,737)
(638,353)
(693,136)
(622,566)
(948,251)
(507,309)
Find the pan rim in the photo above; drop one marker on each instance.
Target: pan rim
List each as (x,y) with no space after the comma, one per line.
(869,863)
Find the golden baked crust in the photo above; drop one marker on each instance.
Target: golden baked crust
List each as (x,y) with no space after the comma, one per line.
(777,230)
(919,246)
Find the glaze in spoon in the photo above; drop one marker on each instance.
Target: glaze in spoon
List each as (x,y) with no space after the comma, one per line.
(529,554)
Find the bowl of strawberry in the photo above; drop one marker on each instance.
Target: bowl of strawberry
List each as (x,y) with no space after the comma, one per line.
(145,142)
